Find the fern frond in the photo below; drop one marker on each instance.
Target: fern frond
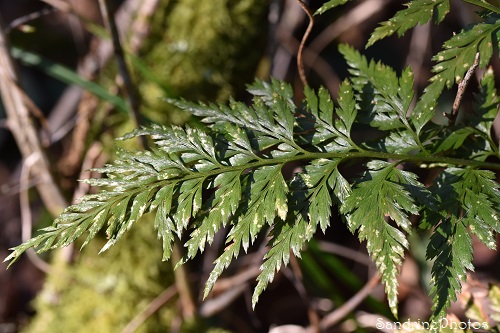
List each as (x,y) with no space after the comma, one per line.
(449,240)
(312,193)
(274,125)
(469,201)
(380,197)
(332,134)
(229,174)
(485,110)
(417,12)
(388,100)
(453,62)
(392,96)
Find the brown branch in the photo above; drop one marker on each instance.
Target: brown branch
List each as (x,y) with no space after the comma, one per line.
(243,277)
(461,89)
(229,289)
(320,66)
(23,130)
(101,50)
(219,303)
(301,289)
(346,252)
(355,17)
(71,160)
(26,224)
(335,316)
(300,63)
(152,307)
(19,22)
(183,286)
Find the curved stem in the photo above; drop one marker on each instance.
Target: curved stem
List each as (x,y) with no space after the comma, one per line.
(300,63)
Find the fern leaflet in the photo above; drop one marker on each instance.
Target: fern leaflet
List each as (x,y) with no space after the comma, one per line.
(417,12)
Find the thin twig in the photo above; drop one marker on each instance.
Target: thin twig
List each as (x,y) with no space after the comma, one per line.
(370,320)
(219,303)
(120,60)
(345,252)
(300,63)
(21,21)
(348,21)
(69,163)
(319,65)
(127,18)
(461,89)
(228,289)
(223,284)
(23,130)
(152,307)
(301,289)
(183,286)
(335,316)
(26,224)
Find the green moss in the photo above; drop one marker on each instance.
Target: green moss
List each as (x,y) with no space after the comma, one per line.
(103,293)
(204,50)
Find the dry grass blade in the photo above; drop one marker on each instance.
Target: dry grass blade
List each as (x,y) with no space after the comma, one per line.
(22,128)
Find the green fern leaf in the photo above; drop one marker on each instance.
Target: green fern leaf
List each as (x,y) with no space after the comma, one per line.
(392,96)
(267,199)
(455,139)
(481,119)
(417,12)
(453,62)
(468,200)
(330,5)
(312,193)
(271,115)
(330,134)
(451,246)
(163,222)
(385,193)
(375,81)
(480,199)
(380,196)
(388,101)
(486,102)
(224,203)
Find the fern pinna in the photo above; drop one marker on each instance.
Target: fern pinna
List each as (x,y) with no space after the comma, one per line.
(229,174)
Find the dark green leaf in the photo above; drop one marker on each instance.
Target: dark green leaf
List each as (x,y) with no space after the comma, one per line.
(417,12)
